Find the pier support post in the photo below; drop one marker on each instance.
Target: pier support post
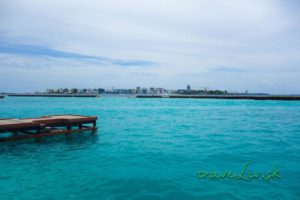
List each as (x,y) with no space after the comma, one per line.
(38,130)
(69,128)
(94,128)
(14,133)
(43,128)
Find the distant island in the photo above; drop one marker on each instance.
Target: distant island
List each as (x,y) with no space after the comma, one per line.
(152,92)
(136,91)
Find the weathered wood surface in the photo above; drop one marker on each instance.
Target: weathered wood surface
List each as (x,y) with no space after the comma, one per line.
(45,126)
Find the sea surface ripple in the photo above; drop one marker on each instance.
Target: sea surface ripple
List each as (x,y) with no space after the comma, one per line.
(152,149)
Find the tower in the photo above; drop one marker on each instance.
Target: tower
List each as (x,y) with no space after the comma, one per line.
(188,87)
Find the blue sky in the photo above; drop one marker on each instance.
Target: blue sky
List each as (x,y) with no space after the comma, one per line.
(236,45)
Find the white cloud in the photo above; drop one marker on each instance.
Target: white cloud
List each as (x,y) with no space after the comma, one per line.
(183,37)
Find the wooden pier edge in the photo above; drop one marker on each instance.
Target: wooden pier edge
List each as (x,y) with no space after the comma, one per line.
(46,126)
(37,136)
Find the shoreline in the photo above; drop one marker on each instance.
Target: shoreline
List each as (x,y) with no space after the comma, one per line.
(250,97)
(236,96)
(53,95)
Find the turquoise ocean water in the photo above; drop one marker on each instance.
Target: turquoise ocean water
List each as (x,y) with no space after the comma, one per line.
(152,148)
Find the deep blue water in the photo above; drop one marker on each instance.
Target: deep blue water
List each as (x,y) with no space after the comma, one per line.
(152,148)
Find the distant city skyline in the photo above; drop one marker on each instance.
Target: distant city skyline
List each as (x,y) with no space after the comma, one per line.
(131,91)
(231,45)
(136,90)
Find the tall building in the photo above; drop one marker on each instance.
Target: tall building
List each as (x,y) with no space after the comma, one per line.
(152,90)
(138,90)
(188,87)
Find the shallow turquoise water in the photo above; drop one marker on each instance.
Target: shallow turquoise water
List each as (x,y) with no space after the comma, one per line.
(152,148)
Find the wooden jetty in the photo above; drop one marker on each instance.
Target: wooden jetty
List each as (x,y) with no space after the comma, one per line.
(45,126)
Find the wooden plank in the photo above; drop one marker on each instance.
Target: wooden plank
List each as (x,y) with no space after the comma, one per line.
(46,126)
(54,120)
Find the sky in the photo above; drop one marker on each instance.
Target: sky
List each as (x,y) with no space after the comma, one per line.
(235,45)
